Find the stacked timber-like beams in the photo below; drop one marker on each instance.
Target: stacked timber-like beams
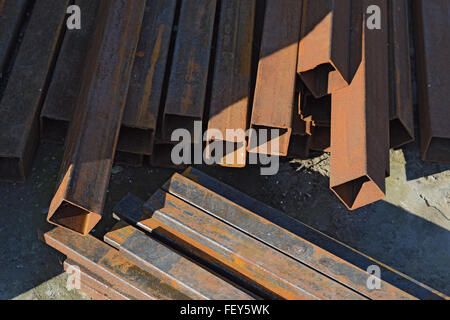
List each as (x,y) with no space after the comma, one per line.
(92,139)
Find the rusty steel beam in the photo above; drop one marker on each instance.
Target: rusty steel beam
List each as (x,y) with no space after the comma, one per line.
(95,282)
(28,81)
(299,144)
(401,113)
(64,88)
(144,94)
(171,267)
(273,103)
(146,86)
(432,42)
(231,88)
(275,236)
(131,208)
(92,293)
(106,262)
(301,230)
(11,17)
(253,260)
(91,142)
(185,101)
(330,50)
(360,124)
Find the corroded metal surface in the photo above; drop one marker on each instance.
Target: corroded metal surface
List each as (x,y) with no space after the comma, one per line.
(95,282)
(231,88)
(91,142)
(276,80)
(11,16)
(278,238)
(171,267)
(186,94)
(330,50)
(277,273)
(432,41)
(22,98)
(64,88)
(106,262)
(129,159)
(401,113)
(320,139)
(313,236)
(360,124)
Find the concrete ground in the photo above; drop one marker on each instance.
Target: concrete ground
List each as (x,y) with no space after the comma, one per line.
(408,231)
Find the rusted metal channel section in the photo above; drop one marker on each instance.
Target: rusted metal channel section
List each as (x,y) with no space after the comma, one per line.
(277,238)
(92,139)
(170,266)
(129,159)
(360,124)
(433,78)
(185,101)
(401,113)
(308,234)
(106,262)
(300,141)
(11,17)
(209,237)
(330,50)
(65,86)
(230,98)
(100,285)
(273,103)
(22,98)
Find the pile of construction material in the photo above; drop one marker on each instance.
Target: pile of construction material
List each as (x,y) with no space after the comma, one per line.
(197,238)
(331,76)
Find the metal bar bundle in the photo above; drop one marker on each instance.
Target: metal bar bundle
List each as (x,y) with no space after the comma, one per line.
(186,93)
(273,103)
(273,235)
(163,262)
(22,99)
(432,41)
(360,124)
(92,139)
(231,88)
(64,89)
(401,114)
(207,236)
(106,262)
(329,50)
(11,16)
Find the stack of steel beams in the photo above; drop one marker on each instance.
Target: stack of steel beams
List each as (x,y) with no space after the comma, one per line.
(290,78)
(193,240)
